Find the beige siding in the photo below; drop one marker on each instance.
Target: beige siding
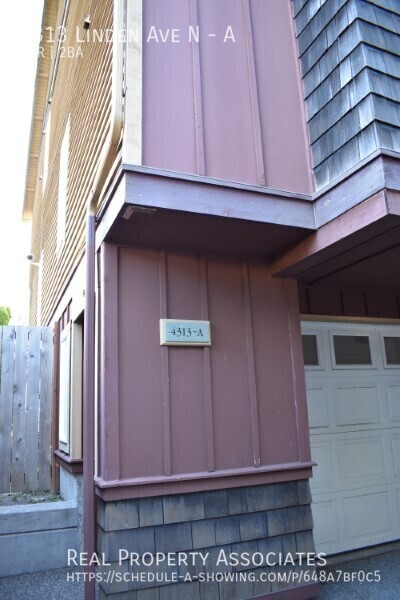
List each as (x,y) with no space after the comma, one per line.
(83,90)
(36,246)
(33,283)
(41,86)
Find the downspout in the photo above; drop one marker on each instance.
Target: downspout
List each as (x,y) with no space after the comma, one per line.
(106,159)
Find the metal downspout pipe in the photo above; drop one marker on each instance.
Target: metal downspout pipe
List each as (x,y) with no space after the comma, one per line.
(106,159)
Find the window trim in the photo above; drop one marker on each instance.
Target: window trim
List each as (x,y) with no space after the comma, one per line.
(352,333)
(64,392)
(318,334)
(70,390)
(382,335)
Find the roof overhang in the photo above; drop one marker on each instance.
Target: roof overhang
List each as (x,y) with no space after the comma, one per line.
(156,208)
(308,238)
(359,247)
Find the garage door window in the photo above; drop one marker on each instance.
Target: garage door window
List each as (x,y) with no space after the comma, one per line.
(310,350)
(392,350)
(352,350)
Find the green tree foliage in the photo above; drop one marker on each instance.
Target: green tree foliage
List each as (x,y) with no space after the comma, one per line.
(5,315)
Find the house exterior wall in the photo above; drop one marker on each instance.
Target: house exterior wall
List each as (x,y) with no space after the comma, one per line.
(226,110)
(36,248)
(187,413)
(82,90)
(51,16)
(181,430)
(350,61)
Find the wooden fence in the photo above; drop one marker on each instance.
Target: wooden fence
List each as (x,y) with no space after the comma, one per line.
(26,369)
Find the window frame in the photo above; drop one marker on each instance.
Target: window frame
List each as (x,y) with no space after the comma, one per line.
(64,392)
(70,390)
(318,335)
(382,335)
(353,333)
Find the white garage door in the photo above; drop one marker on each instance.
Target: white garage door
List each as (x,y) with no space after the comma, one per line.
(353,394)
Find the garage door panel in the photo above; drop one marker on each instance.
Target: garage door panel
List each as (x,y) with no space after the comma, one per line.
(318,402)
(354,412)
(326,525)
(397,493)
(367,517)
(395,451)
(323,473)
(393,401)
(356,404)
(361,461)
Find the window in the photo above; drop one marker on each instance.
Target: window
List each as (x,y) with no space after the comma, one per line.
(62,187)
(70,391)
(392,350)
(352,350)
(46,151)
(64,394)
(310,350)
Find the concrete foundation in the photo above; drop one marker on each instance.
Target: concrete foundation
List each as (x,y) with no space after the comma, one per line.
(36,537)
(71,489)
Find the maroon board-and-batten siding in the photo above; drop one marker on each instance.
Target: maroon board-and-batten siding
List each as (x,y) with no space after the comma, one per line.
(237,408)
(229,110)
(349,302)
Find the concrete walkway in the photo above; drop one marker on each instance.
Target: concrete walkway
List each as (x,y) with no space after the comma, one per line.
(53,585)
(385,566)
(47,585)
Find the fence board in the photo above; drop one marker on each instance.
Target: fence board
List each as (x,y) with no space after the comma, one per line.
(26,383)
(18,438)
(55,467)
(46,367)
(32,410)
(6,394)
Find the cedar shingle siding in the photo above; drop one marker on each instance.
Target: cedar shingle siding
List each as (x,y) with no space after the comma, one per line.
(350,60)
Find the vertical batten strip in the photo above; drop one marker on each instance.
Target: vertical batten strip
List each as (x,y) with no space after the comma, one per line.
(198,104)
(255,435)
(97,361)
(255,109)
(109,388)
(207,372)
(166,408)
(302,104)
(132,151)
(298,376)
